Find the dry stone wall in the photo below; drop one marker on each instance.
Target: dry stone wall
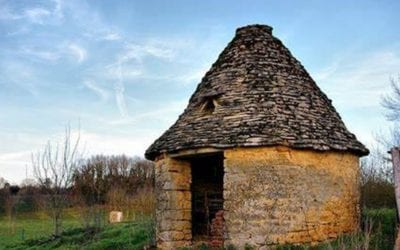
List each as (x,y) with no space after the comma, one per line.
(272,195)
(173,211)
(278,195)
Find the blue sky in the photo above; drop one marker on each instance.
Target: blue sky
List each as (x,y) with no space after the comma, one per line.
(124,70)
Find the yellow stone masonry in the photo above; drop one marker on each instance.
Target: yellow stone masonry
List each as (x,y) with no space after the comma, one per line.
(272,195)
(278,195)
(173,211)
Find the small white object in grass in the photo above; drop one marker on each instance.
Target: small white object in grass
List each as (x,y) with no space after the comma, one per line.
(115,216)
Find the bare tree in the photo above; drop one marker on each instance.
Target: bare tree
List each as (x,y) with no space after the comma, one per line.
(391,102)
(53,169)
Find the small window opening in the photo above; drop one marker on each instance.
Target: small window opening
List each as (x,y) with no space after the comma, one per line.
(209,106)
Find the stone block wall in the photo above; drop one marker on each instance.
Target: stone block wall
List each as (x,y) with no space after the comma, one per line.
(277,195)
(272,195)
(173,210)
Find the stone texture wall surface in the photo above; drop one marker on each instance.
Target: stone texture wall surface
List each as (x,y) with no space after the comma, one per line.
(173,211)
(278,195)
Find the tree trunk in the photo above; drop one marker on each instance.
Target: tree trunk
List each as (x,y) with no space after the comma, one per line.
(57,223)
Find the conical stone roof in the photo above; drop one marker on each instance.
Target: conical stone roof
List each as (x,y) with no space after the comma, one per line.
(257,94)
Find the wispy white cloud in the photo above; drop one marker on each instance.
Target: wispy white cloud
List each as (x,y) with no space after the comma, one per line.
(193,76)
(7,14)
(41,54)
(167,114)
(90,23)
(18,74)
(326,72)
(159,52)
(35,15)
(360,80)
(127,66)
(18,31)
(77,51)
(135,51)
(120,71)
(56,52)
(58,9)
(132,56)
(101,92)
(110,74)
(356,83)
(119,93)
(112,36)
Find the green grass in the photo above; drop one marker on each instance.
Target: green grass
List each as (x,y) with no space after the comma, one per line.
(127,235)
(32,226)
(38,235)
(137,234)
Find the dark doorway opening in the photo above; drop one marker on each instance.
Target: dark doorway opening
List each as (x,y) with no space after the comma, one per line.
(207,194)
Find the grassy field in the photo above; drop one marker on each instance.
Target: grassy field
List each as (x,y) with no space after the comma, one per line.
(32,226)
(126,235)
(33,231)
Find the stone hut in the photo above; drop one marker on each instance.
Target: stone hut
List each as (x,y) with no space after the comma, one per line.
(258,157)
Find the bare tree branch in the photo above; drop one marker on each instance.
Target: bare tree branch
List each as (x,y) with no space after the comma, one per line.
(54,170)
(391,102)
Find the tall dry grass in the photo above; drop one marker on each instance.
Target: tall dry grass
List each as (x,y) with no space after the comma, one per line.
(133,206)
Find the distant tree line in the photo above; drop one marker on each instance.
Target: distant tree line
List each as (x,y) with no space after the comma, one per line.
(99,175)
(98,184)
(117,182)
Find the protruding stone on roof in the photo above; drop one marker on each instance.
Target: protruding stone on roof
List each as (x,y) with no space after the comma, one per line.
(264,97)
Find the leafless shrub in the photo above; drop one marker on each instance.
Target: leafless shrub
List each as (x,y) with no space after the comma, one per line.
(53,169)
